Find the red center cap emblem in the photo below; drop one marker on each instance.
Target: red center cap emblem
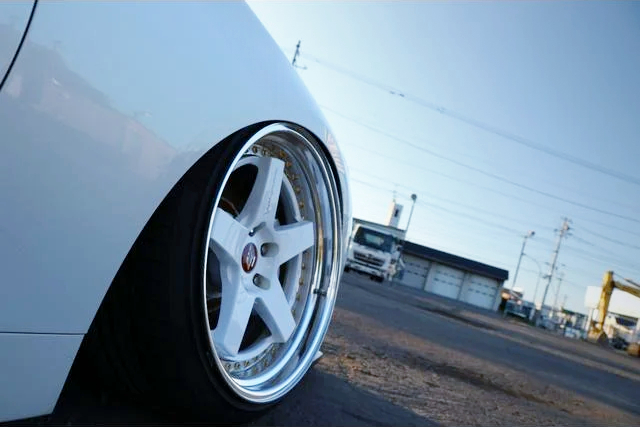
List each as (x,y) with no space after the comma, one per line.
(249,257)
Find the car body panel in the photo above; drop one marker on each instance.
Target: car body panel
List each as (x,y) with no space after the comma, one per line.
(106,107)
(14,18)
(33,368)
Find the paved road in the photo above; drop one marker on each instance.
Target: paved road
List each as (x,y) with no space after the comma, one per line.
(328,398)
(320,400)
(600,374)
(557,375)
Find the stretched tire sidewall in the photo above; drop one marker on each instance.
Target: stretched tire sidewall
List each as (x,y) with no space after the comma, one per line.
(194,213)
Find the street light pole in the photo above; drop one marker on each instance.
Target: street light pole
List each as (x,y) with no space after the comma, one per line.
(535,292)
(413,198)
(401,249)
(524,242)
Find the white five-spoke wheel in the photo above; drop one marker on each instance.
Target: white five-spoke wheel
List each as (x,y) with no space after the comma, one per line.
(272,263)
(224,300)
(250,277)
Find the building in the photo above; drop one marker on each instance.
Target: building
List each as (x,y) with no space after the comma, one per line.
(452,276)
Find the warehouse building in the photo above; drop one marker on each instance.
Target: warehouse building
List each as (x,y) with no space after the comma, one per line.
(452,276)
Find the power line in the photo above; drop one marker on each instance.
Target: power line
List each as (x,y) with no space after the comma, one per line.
(477,123)
(469,183)
(602,258)
(483,172)
(580,253)
(511,197)
(603,254)
(505,229)
(613,227)
(468,206)
(477,159)
(453,212)
(570,283)
(609,239)
(471,217)
(455,234)
(586,242)
(589,256)
(455,202)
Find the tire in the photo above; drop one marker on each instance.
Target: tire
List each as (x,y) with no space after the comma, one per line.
(205,320)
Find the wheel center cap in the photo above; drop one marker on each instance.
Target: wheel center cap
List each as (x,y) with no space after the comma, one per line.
(249,257)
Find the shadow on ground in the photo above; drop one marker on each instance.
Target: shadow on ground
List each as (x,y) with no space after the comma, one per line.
(320,400)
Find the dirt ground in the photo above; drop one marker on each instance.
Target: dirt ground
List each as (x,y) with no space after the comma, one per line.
(387,344)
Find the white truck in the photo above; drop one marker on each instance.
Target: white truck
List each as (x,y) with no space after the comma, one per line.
(375,250)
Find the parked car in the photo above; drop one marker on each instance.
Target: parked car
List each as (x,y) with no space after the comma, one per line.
(175,209)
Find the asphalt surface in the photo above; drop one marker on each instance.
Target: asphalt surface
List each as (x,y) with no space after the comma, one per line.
(461,352)
(556,380)
(511,344)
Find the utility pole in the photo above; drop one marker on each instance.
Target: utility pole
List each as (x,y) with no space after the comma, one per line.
(555,300)
(524,242)
(564,230)
(295,55)
(535,292)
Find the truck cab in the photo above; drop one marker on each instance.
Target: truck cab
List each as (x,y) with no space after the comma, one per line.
(374,250)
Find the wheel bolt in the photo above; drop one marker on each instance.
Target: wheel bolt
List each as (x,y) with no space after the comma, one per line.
(256,280)
(263,249)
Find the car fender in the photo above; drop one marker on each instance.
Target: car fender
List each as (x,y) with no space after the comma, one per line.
(107,105)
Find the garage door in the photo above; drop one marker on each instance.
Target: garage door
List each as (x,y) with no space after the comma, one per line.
(447,281)
(415,271)
(481,292)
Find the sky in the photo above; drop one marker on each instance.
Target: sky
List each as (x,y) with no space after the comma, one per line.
(501,117)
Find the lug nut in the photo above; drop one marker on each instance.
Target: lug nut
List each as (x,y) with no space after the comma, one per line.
(263,249)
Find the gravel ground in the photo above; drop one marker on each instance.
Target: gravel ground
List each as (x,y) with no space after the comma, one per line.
(383,340)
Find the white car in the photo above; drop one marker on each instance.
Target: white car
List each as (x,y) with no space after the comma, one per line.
(173,207)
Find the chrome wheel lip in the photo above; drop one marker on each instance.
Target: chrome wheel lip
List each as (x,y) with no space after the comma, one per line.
(306,339)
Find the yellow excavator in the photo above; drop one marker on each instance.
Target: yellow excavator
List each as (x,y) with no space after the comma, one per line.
(596,332)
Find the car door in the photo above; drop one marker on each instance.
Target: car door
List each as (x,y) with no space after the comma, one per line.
(14,19)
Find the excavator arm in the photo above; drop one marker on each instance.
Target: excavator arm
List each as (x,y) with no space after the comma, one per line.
(597,333)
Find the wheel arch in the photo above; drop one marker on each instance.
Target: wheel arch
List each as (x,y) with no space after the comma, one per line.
(208,160)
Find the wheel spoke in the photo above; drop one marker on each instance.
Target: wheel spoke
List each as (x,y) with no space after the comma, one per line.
(263,200)
(235,310)
(293,239)
(272,306)
(228,236)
